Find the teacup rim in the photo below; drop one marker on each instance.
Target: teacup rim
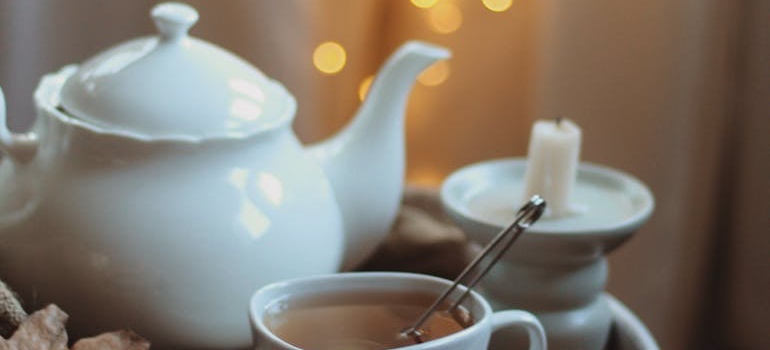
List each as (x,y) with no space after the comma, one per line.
(256,311)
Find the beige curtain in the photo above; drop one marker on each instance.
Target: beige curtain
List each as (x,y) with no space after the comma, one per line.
(674,92)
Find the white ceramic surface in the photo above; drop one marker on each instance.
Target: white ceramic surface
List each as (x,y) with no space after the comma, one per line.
(488,193)
(173,85)
(557,269)
(475,337)
(365,160)
(166,217)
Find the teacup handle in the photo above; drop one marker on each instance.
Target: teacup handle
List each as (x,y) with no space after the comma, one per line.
(525,320)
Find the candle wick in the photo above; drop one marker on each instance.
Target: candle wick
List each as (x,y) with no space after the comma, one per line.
(558,120)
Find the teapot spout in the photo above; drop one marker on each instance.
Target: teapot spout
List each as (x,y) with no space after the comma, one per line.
(365,161)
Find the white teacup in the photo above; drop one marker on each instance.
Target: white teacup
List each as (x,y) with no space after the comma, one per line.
(475,337)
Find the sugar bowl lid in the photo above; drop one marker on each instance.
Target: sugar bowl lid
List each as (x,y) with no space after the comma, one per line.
(175,86)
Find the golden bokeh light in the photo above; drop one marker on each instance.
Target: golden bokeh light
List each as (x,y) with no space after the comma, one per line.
(436,74)
(445,18)
(424,4)
(329,57)
(497,5)
(428,177)
(363,89)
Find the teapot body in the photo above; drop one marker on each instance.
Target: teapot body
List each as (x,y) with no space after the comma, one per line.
(166,237)
(162,184)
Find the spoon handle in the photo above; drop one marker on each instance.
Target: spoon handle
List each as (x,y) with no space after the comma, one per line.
(526,216)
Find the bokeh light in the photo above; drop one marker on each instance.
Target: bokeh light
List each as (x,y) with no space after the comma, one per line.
(445,18)
(363,89)
(329,57)
(436,74)
(424,4)
(425,176)
(497,5)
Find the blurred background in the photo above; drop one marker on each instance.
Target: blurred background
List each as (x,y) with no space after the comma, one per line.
(676,93)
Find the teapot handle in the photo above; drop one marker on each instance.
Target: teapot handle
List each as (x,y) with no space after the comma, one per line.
(20,147)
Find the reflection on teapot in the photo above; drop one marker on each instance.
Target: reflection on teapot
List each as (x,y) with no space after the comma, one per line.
(162,184)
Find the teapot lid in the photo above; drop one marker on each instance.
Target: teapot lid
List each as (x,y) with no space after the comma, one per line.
(173,85)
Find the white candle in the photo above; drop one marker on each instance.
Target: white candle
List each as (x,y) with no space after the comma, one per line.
(552,163)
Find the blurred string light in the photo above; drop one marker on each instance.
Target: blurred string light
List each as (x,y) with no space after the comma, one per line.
(424,4)
(445,18)
(425,176)
(363,89)
(436,74)
(329,57)
(497,5)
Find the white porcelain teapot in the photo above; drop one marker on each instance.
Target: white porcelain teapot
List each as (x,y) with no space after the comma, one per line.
(162,184)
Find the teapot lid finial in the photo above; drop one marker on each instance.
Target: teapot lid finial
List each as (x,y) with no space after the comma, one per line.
(174,19)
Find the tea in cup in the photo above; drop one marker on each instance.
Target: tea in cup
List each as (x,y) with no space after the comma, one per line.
(371,311)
